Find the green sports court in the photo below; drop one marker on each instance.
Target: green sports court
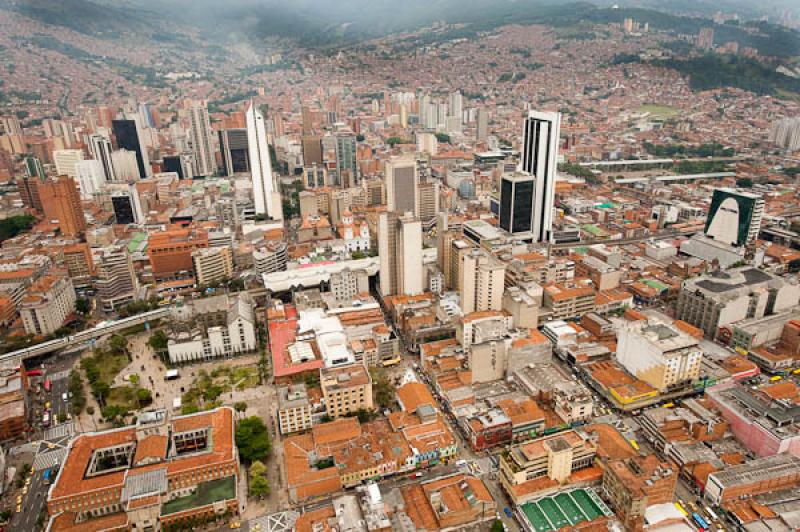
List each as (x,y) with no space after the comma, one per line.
(565,509)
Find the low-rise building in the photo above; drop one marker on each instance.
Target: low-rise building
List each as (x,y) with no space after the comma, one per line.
(158,473)
(448,503)
(220,326)
(660,354)
(294,409)
(633,484)
(346,389)
(13,405)
(768,474)
(539,467)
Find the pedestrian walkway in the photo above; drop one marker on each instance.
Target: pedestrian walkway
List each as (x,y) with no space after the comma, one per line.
(58,375)
(277,522)
(49,459)
(64,430)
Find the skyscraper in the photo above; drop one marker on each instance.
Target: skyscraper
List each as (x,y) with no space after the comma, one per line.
(116,279)
(482,282)
(516,202)
(402,184)
(233,148)
(129,138)
(66,160)
(125,165)
(202,146)
(346,163)
(400,254)
(734,217)
(180,164)
(482,124)
(61,201)
(100,149)
(267,198)
(539,158)
(90,177)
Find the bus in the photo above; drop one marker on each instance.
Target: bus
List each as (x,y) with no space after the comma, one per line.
(390,362)
(776,378)
(701,523)
(634,444)
(681,509)
(711,514)
(668,405)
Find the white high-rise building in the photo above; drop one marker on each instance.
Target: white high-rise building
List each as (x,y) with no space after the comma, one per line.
(482,282)
(66,160)
(267,197)
(400,252)
(100,150)
(202,145)
(427,143)
(539,157)
(124,164)
(786,133)
(455,104)
(90,177)
(402,184)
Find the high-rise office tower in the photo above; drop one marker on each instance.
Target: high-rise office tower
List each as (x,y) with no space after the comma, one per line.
(125,165)
(180,164)
(516,202)
(90,177)
(455,104)
(146,115)
(734,217)
(482,282)
(34,167)
(402,184)
(539,158)
(482,124)
(346,162)
(127,206)
(427,143)
(427,202)
(202,146)
(267,198)
(100,149)
(307,119)
(128,137)
(66,160)
(116,278)
(312,150)
(400,254)
(10,125)
(705,40)
(233,148)
(61,201)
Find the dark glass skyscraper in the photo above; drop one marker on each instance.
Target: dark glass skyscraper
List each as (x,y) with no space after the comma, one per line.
(233,147)
(516,203)
(127,136)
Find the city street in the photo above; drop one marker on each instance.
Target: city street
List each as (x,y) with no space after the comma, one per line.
(30,519)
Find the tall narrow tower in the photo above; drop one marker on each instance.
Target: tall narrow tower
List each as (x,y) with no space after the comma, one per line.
(202,146)
(539,158)
(267,198)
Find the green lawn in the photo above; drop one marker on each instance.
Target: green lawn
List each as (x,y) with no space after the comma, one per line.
(659,111)
(124,396)
(206,493)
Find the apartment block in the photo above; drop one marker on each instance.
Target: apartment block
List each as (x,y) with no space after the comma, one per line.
(212,265)
(294,409)
(48,303)
(346,389)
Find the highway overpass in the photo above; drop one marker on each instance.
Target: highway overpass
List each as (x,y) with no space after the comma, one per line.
(84,336)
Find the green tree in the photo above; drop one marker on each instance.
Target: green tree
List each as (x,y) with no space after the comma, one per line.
(252,439)
(240,407)
(744,182)
(83,305)
(259,486)
(443,137)
(257,468)
(158,341)
(144,396)
(382,388)
(118,344)
(497,526)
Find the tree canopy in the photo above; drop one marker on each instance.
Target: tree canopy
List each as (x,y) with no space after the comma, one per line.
(252,439)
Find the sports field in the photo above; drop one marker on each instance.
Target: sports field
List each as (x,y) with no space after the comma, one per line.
(564,509)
